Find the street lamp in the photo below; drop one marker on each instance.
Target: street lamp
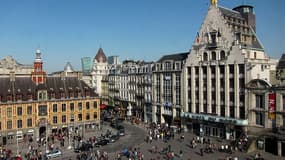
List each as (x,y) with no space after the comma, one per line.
(70,130)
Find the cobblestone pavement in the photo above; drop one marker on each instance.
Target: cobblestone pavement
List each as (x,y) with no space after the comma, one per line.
(135,138)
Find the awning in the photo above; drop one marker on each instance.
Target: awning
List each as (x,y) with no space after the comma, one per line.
(30,131)
(103,106)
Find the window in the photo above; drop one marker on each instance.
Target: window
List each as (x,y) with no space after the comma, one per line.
(29,122)
(19,111)
(259,101)
(95,115)
(242,112)
(80,117)
(19,123)
(79,106)
(54,119)
(9,124)
(214,56)
(71,106)
(72,118)
(95,104)
(87,116)
(87,105)
(63,119)
(223,55)
(42,110)
(260,118)
(54,108)
(30,110)
(205,55)
(63,107)
(9,112)
(232,111)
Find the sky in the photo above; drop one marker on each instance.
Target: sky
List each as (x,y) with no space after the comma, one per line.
(67,30)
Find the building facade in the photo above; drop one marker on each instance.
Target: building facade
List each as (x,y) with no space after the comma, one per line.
(34,106)
(167,89)
(225,57)
(9,65)
(99,70)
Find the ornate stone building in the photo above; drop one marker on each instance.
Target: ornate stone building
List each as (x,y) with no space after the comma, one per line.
(38,105)
(9,65)
(225,57)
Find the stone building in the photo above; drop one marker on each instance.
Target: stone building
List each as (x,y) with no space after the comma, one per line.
(38,105)
(99,70)
(9,65)
(225,57)
(167,88)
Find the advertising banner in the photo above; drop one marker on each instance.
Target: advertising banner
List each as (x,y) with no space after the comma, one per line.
(272,106)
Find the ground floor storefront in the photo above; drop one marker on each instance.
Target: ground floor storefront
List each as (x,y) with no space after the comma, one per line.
(214,126)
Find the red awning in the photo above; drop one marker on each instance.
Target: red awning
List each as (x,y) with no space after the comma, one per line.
(103,106)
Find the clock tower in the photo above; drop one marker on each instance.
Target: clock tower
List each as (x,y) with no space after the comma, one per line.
(38,75)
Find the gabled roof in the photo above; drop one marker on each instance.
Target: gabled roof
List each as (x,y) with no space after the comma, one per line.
(281,63)
(235,14)
(174,57)
(100,56)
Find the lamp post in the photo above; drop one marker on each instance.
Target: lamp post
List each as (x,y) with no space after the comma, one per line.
(70,130)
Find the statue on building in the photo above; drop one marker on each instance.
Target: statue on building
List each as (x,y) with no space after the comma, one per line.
(214,2)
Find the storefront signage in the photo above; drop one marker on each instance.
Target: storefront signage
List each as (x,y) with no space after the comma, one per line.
(211,118)
(272,105)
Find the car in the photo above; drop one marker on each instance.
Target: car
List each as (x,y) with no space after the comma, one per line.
(84,147)
(102,142)
(121,132)
(113,138)
(53,154)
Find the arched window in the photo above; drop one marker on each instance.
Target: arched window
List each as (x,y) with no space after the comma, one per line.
(223,55)
(214,56)
(205,56)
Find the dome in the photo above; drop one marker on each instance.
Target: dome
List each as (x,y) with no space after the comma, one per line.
(68,67)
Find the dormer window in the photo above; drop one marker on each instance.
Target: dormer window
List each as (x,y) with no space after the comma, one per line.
(87,92)
(42,95)
(29,95)
(62,95)
(78,92)
(71,93)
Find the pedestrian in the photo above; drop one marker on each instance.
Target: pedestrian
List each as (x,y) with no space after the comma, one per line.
(180,153)
(201,151)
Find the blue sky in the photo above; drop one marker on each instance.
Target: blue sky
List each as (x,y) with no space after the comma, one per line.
(66,30)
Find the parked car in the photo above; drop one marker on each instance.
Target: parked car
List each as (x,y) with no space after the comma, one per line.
(102,142)
(114,138)
(84,147)
(121,132)
(53,154)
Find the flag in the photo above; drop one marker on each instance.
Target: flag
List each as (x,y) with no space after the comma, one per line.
(197,38)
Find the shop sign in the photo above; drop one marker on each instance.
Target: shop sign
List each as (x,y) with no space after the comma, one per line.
(272,106)
(215,119)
